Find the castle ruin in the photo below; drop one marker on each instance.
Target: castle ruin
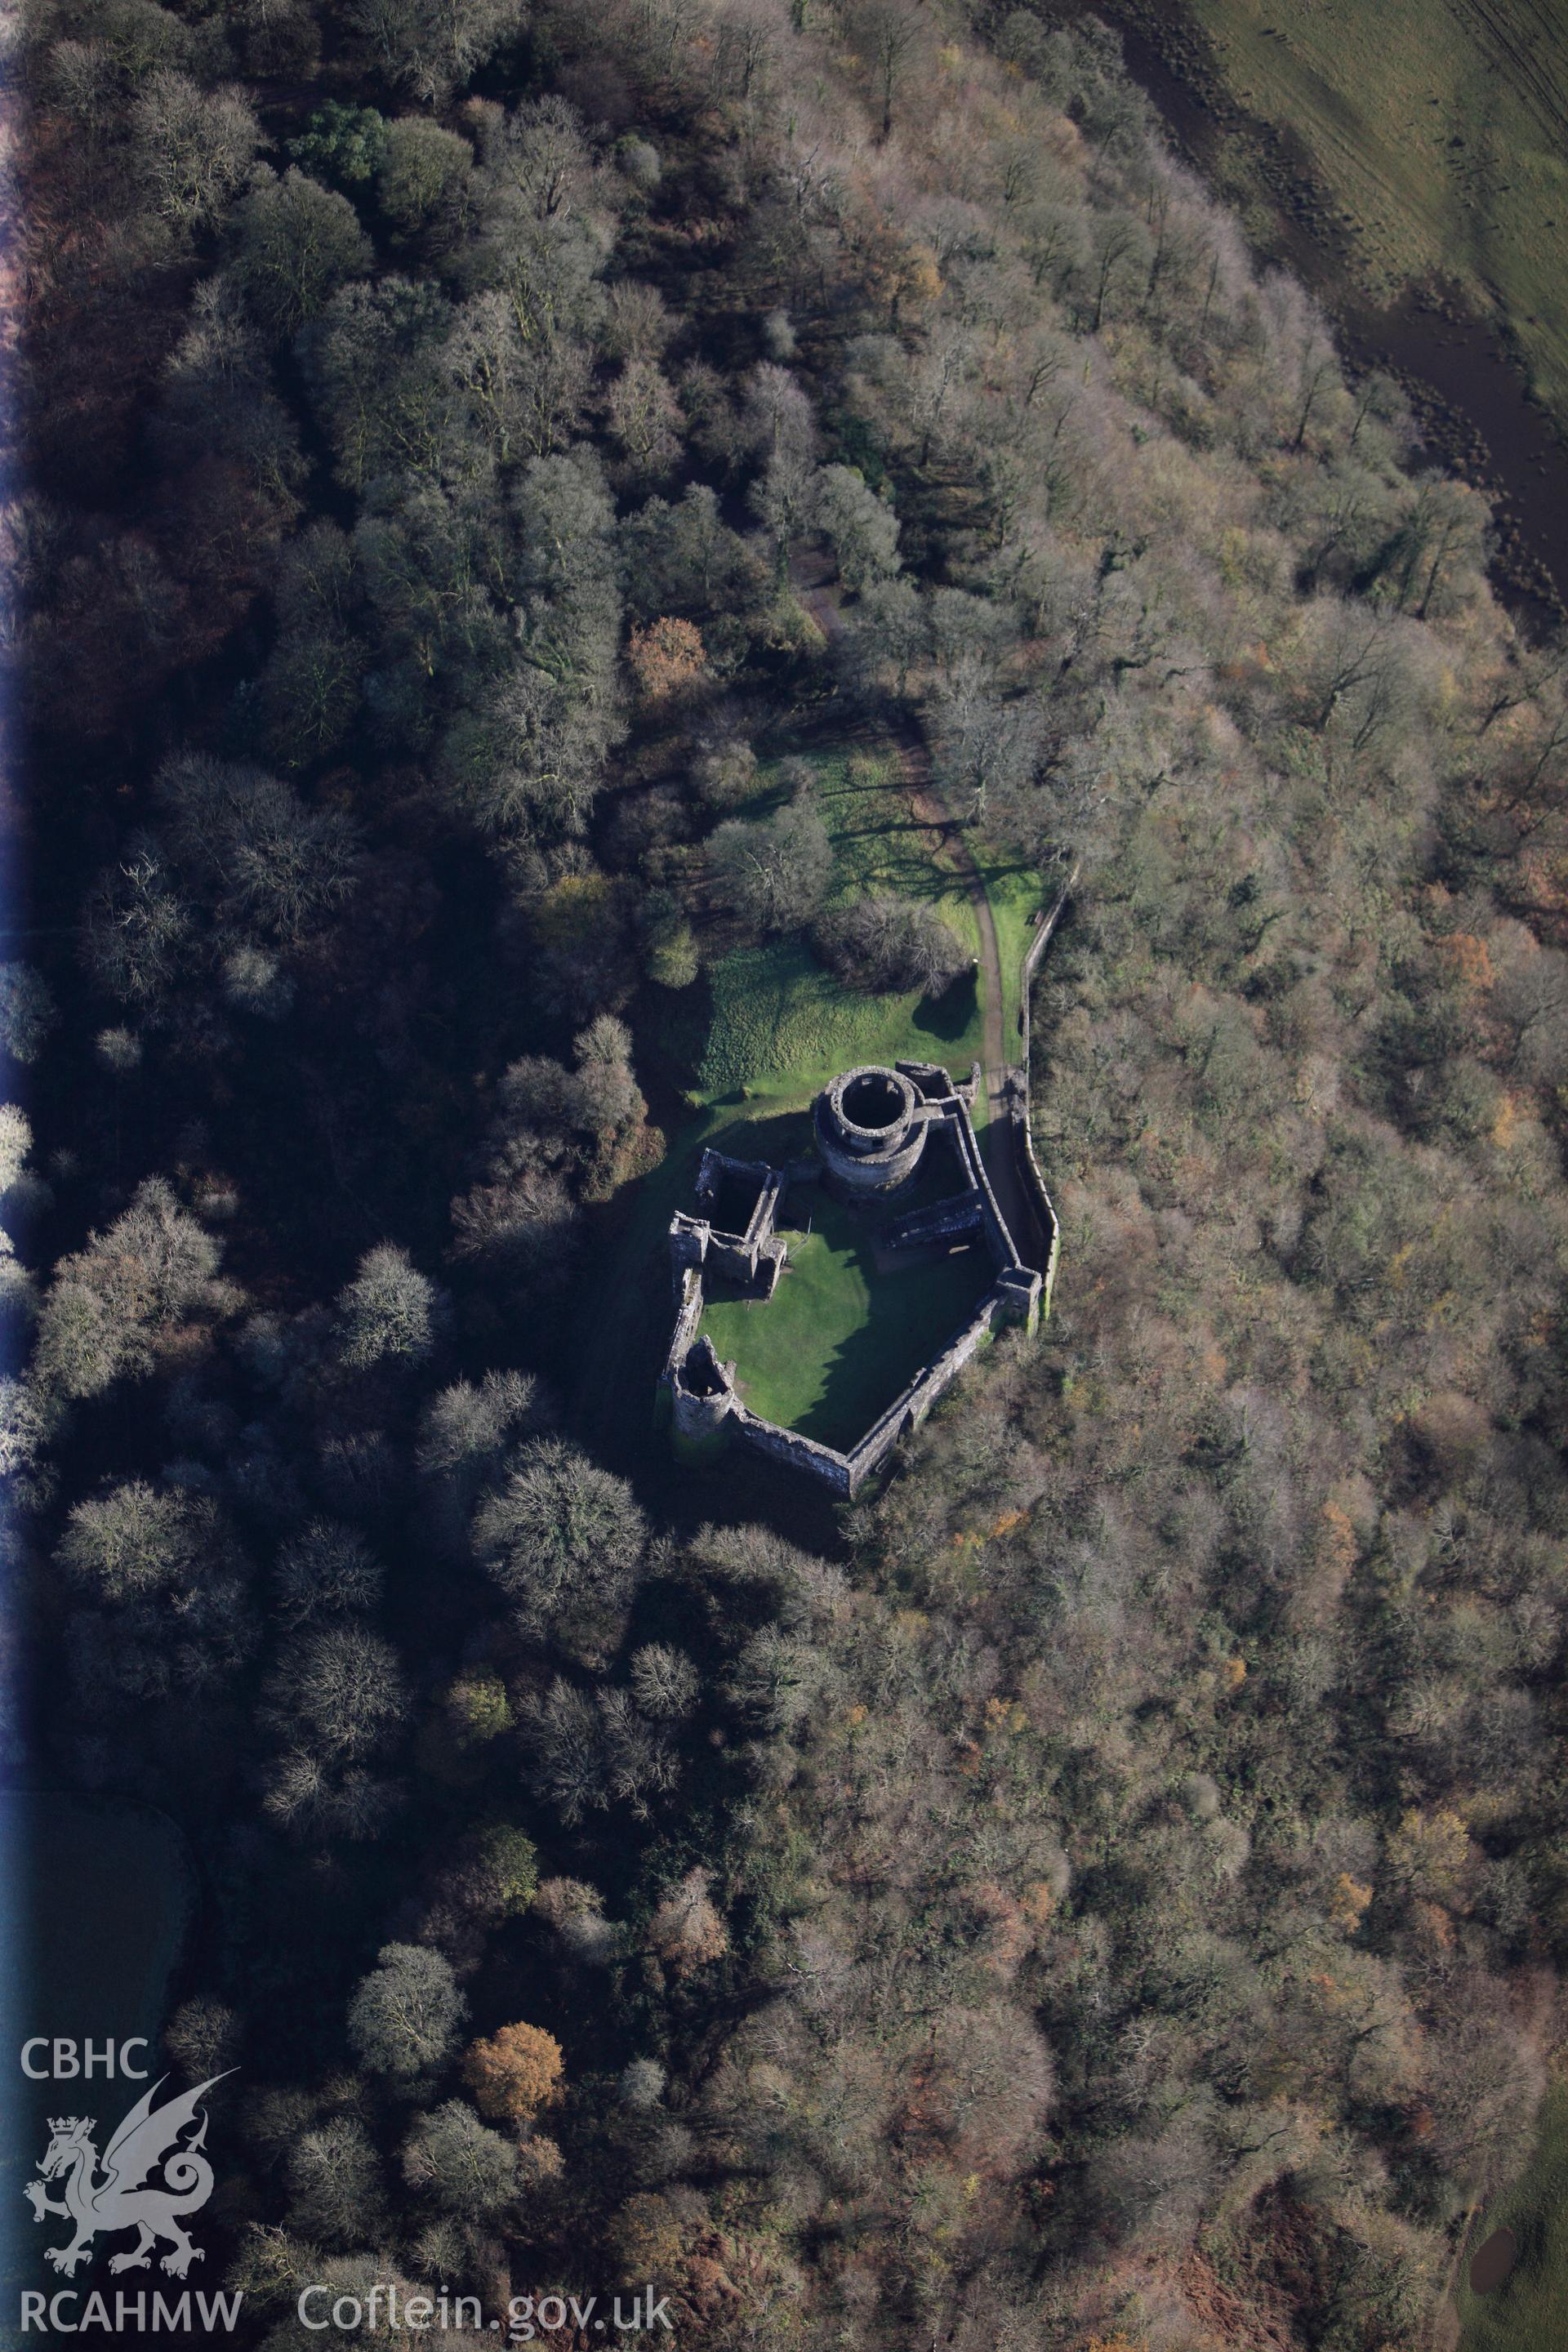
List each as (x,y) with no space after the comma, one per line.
(874,1129)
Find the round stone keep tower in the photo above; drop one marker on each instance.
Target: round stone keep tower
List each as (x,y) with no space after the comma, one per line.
(704,1394)
(871,1131)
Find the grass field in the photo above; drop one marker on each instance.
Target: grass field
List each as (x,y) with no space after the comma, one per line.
(1016,897)
(1440,127)
(776,1011)
(837,1340)
(1529,2313)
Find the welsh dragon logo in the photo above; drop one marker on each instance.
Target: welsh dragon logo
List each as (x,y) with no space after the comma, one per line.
(122,2198)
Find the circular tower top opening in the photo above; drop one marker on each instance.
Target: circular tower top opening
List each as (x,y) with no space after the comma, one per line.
(875,1098)
(870,1130)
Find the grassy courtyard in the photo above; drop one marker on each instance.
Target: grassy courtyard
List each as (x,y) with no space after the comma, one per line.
(1529,2313)
(839,1340)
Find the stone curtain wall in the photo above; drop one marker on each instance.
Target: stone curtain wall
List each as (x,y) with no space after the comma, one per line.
(1033,1181)
(689,1315)
(1000,1305)
(999,1241)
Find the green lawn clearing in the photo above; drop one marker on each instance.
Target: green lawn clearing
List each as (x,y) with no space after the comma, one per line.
(1528,2311)
(778,1011)
(1016,897)
(878,843)
(837,1339)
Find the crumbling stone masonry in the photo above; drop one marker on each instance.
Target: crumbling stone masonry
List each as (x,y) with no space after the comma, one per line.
(752,1256)
(873,1128)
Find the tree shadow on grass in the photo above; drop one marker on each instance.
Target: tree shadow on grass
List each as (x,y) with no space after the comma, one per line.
(942,1018)
(777,1137)
(898,825)
(994,871)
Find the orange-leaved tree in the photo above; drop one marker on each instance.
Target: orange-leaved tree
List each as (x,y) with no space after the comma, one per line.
(670,660)
(514,2073)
